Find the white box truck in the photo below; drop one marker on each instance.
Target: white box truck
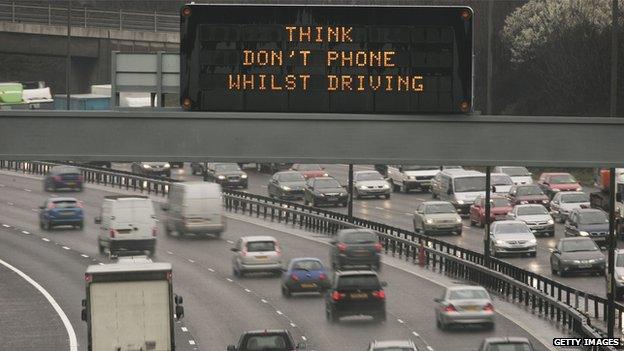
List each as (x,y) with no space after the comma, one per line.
(130,306)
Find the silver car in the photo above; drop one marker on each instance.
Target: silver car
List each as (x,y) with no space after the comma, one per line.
(565,201)
(256,254)
(464,304)
(370,183)
(536,217)
(501,183)
(512,237)
(619,274)
(392,345)
(437,217)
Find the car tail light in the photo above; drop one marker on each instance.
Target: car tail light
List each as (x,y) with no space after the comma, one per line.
(57,178)
(294,277)
(378,247)
(322,276)
(342,247)
(380,294)
(112,233)
(450,308)
(278,250)
(154,231)
(88,278)
(244,251)
(80,204)
(336,296)
(488,307)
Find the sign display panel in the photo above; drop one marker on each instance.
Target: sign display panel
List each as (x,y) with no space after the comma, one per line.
(326,59)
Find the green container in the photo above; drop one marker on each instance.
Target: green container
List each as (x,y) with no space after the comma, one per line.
(11,93)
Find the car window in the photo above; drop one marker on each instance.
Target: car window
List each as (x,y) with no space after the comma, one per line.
(326,183)
(593,218)
(516,171)
(511,228)
(562,179)
(529,190)
(368,176)
(619,260)
(574,198)
(269,342)
(510,347)
(469,184)
(310,265)
(257,246)
(419,168)
(499,202)
(290,177)
(468,294)
(578,245)
(360,238)
(501,180)
(65,204)
(359,281)
(227,167)
(439,208)
(531,210)
(309,167)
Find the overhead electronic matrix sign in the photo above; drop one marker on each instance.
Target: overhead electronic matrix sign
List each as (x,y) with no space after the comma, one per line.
(328,59)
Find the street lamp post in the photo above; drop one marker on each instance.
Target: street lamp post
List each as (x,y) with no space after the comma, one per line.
(486,240)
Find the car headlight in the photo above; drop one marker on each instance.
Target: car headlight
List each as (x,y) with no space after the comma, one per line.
(343,194)
(579,188)
(221,177)
(325,175)
(600,259)
(576,261)
(533,241)
(429,221)
(167,165)
(583,233)
(363,187)
(285,187)
(621,277)
(320,194)
(544,201)
(386,186)
(460,202)
(551,221)
(458,219)
(556,190)
(145,165)
(244,176)
(500,242)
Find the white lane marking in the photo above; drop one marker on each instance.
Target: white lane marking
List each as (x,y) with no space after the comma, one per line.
(25,232)
(407,214)
(188,259)
(264,301)
(229,280)
(169,252)
(184,329)
(400,321)
(230,242)
(293,324)
(27,190)
(101,264)
(45,239)
(65,248)
(211,270)
(73,341)
(85,256)
(192,342)
(279,312)
(10,203)
(304,338)
(247,290)
(429,348)
(379,208)
(467,227)
(6,226)
(416,334)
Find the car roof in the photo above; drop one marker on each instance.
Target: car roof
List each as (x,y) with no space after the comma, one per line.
(555,173)
(576,238)
(502,339)
(287,172)
(433,202)
(267,331)
(357,230)
(561,193)
(588,210)
(526,186)
(305,259)
(393,343)
(319,178)
(529,205)
(61,199)
(506,221)
(64,168)
(258,238)
(499,174)
(456,172)
(340,273)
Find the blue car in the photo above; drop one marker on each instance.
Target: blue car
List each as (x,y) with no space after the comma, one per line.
(304,275)
(61,211)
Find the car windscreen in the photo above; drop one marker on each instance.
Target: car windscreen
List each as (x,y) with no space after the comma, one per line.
(257,246)
(439,208)
(516,171)
(65,204)
(65,170)
(310,167)
(467,294)
(562,179)
(326,183)
(360,238)
(308,265)
(391,348)
(510,347)
(578,245)
(531,210)
(500,202)
(267,342)
(368,176)
(619,261)
(359,281)
(501,180)
(469,184)
(529,190)
(419,168)
(227,167)
(593,218)
(291,177)
(511,228)
(574,198)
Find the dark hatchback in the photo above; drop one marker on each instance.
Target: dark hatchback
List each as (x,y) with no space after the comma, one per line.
(324,191)
(270,340)
(61,211)
(589,222)
(63,178)
(227,174)
(528,194)
(355,293)
(577,255)
(355,248)
(287,185)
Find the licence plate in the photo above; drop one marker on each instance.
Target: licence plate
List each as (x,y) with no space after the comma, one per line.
(309,285)
(359,295)
(67,213)
(262,257)
(472,308)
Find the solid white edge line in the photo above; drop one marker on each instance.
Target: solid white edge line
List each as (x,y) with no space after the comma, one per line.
(73,341)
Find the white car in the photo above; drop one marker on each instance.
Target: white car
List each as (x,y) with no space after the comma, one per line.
(536,217)
(519,175)
(501,183)
(512,237)
(564,202)
(370,183)
(407,177)
(256,254)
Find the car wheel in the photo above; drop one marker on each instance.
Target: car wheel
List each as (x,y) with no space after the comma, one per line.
(481,223)
(236,272)
(333,317)
(313,203)
(552,270)
(472,223)
(459,233)
(551,234)
(151,252)
(442,326)
(377,267)
(81,225)
(285,292)
(394,187)
(561,272)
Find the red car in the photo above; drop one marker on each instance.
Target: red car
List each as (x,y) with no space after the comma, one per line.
(499,208)
(528,194)
(552,183)
(309,170)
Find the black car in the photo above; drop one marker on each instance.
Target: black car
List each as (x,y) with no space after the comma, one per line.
(63,177)
(274,167)
(274,340)
(157,169)
(355,248)
(175,164)
(577,255)
(355,293)
(286,185)
(324,190)
(227,174)
(589,222)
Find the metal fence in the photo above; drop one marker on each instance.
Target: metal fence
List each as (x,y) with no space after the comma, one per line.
(570,307)
(15,12)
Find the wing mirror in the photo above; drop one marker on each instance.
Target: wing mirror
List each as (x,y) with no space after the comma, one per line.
(179,311)
(164,207)
(179,300)
(83,314)
(553,250)
(97,220)
(449,192)
(301,346)
(493,188)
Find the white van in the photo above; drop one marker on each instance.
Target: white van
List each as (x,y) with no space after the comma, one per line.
(194,207)
(459,187)
(127,224)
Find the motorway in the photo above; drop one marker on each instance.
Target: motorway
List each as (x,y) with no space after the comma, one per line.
(218,306)
(398,212)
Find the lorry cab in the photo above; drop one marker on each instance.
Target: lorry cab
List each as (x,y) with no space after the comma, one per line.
(194,208)
(459,187)
(127,224)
